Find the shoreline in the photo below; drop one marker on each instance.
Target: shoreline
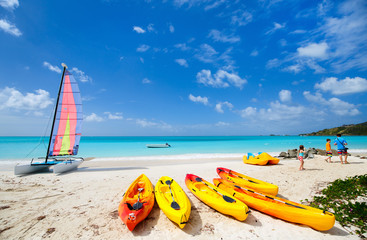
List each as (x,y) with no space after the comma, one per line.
(189,157)
(83,203)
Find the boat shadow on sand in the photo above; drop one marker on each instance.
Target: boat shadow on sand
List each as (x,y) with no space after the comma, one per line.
(336,231)
(103,169)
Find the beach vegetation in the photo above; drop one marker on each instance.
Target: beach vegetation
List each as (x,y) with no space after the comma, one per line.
(347,200)
(351,130)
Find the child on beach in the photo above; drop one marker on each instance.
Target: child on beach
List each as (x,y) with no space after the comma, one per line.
(301,152)
(329,154)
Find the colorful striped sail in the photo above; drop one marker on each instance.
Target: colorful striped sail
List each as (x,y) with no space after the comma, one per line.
(67,128)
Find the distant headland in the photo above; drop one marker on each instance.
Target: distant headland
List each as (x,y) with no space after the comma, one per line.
(351,130)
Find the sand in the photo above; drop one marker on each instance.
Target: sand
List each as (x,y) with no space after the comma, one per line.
(83,204)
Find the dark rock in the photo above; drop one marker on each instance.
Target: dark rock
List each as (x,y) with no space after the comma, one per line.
(283,154)
(320,152)
(292,153)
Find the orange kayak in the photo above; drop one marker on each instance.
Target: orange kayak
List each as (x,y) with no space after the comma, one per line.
(137,202)
(249,182)
(278,207)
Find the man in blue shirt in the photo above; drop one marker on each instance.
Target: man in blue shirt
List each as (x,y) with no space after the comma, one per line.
(342,150)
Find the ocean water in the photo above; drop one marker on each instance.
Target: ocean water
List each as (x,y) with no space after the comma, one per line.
(21,148)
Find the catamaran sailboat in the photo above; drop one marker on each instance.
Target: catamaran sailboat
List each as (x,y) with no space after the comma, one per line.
(65,131)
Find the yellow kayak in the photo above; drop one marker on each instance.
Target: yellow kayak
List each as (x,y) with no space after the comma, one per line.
(173,201)
(271,160)
(249,182)
(254,160)
(261,159)
(216,198)
(278,207)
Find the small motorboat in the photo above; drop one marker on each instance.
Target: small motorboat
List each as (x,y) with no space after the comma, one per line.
(158,145)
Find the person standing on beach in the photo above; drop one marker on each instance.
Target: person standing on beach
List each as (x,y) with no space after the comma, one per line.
(329,154)
(342,150)
(301,152)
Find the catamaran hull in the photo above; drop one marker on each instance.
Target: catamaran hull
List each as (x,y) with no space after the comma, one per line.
(28,168)
(67,166)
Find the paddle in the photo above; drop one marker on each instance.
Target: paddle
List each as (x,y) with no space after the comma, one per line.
(226,198)
(272,198)
(138,205)
(174,204)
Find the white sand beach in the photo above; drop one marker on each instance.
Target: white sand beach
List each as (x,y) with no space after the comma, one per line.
(83,204)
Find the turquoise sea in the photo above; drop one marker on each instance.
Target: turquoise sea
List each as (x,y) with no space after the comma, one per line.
(16,148)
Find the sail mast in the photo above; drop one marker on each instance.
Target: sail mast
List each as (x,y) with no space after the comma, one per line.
(57,104)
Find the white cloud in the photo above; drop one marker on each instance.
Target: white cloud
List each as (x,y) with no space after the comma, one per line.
(314,50)
(146,81)
(279,111)
(276,112)
(205,77)
(93,118)
(221,124)
(207,53)
(346,34)
(116,116)
(182,62)
(182,46)
(276,27)
(221,37)
(151,28)
(299,31)
(283,42)
(143,48)
(10,98)
(199,99)
(285,96)
(219,106)
(171,28)
(9,4)
(301,63)
(335,105)
(298,82)
(145,123)
(221,79)
(80,75)
(341,35)
(9,28)
(216,4)
(248,112)
(138,29)
(345,86)
(324,7)
(241,18)
(296,68)
(254,53)
(272,63)
(51,67)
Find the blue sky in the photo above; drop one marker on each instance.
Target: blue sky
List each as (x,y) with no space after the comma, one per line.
(185,67)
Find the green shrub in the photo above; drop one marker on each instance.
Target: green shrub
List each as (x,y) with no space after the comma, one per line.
(346,199)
